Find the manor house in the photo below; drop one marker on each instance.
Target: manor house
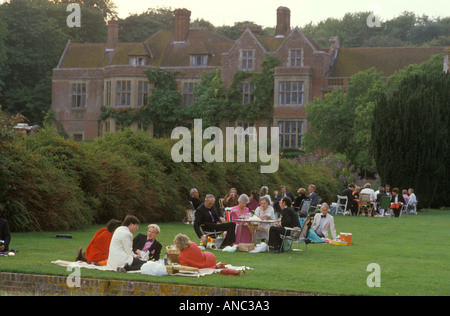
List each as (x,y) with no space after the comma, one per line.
(113,74)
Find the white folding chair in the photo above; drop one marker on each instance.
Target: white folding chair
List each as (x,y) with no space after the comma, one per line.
(342,206)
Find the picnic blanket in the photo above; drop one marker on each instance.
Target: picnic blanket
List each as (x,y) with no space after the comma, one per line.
(200,273)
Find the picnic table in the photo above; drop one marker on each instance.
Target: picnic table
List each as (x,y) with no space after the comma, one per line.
(253,224)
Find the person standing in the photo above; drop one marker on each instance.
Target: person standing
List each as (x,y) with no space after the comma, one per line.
(352,204)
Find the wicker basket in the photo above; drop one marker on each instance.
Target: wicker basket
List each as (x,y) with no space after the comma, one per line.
(172,254)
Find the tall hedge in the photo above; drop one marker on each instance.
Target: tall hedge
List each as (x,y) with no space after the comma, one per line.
(51,183)
(411,140)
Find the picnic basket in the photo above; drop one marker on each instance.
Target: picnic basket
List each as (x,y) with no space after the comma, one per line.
(172,254)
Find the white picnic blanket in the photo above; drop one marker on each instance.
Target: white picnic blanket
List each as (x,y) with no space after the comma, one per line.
(201,272)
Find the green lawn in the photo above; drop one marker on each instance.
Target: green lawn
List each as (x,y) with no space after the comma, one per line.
(413,253)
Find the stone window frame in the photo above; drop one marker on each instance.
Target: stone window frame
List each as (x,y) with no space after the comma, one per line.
(286,134)
(288,94)
(306,79)
(138,60)
(244,59)
(245,125)
(78,100)
(108,93)
(143,91)
(120,93)
(295,59)
(188,98)
(194,58)
(247,89)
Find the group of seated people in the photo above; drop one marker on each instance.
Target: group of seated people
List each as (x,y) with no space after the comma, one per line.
(259,205)
(115,247)
(397,200)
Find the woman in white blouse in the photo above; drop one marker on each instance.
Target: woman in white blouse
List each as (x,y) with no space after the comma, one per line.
(265,211)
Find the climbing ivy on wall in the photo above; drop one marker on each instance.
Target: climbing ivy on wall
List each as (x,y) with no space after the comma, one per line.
(213,103)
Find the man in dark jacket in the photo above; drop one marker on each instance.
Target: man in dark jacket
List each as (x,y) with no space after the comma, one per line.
(278,198)
(143,244)
(352,204)
(288,219)
(206,218)
(5,234)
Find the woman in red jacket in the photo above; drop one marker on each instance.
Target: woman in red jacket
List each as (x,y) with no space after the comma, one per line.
(98,249)
(191,255)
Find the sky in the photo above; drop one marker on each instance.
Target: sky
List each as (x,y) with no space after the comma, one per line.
(263,12)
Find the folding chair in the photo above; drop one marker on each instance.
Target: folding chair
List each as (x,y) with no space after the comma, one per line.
(297,235)
(365,203)
(305,205)
(340,204)
(385,204)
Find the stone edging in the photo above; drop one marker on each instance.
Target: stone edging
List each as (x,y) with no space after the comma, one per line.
(35,284)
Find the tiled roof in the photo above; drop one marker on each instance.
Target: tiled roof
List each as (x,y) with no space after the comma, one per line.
(160,46)
(388,60)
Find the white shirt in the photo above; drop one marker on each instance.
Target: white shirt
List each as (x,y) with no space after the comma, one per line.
(371,192)
(326,224)
(121,248)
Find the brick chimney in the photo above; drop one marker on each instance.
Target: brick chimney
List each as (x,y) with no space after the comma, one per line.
(283,22)
(182,23)
(113,33)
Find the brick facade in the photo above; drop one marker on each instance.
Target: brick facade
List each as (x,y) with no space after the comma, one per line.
(306,71)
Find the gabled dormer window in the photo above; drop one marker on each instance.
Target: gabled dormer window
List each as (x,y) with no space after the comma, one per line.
(247,59)
(199,60)
(137,61)
(296,58)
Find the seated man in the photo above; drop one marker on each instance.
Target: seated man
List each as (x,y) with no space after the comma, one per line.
(278,197)
(121,256)
(5,234)
(312,196)
(146,247)
(397,202)
(195,198)
(288,219)
(207,217)
(324,222)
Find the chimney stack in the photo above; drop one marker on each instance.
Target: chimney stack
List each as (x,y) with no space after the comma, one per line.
(182,23)
(283,22)
(113,33)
